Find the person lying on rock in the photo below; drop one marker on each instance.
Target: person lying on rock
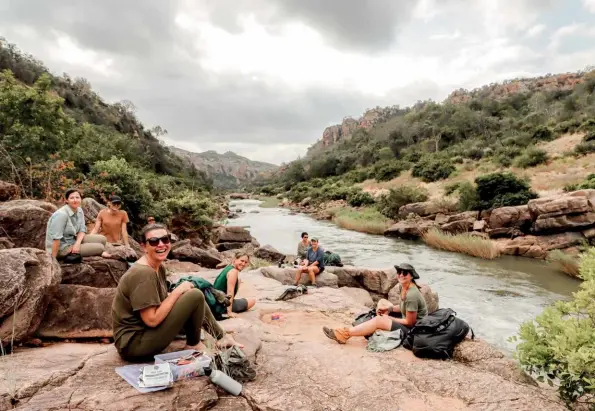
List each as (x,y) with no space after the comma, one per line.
(66,231)
(111,222)
(145,318)
(389,317)
(228,281)
(302,248)
(313,264)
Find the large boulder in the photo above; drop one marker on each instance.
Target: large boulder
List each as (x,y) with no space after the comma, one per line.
(360,295)
(94,272)
(551,222)
(231,234)
(5,243)
(375,281)
(185,251)
(25,222)
(91,208)
(572,203)
(539,246)
(121,252)
(8,191)
(229,246)
(27,279)
(507,217)
(269,253)
(286,276)
(422,209)
(409,229)
(77,311)
(239,196)
(432,300)
(175,267)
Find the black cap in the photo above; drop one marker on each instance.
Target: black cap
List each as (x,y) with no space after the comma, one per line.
(115,200)
(408,268)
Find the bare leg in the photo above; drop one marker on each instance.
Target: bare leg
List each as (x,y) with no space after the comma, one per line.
(251,302)
(228,341)
(298,274)
(382,322)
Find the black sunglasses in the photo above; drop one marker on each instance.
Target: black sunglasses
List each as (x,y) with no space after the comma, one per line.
(403,272)
(154,241)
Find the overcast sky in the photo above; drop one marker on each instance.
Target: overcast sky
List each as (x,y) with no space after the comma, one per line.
(263,78)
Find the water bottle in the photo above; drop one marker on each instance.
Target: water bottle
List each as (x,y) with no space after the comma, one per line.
(224,381)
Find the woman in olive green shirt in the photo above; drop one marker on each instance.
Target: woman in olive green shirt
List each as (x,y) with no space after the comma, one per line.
(390,318)
(146,319)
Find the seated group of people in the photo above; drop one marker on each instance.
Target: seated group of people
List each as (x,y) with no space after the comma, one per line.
(147,318)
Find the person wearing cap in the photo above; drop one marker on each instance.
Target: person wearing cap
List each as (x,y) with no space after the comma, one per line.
(313,264)
(111,222)
(388,317)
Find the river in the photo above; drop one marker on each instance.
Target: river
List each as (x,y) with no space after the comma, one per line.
(494,297)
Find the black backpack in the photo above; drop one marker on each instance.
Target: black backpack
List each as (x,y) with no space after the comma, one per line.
(437,334)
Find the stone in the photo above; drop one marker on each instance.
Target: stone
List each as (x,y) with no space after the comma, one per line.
(507,217)
(25,222)
(231,234)
(91,208)
(458,226)
(510,232)
(305,202)
(229,246)
(539,246)
(77,311)
(466,215)
(239,196)
(409,229)
(376,281)
(27,278)
(431,298)
(422,209)
(175,266)
(441,218)
(5,243)
(121,252)
(94,272)
(360,295)
(556,223)
(136,247)
(269,253)
(204,258)
(556,206)
(590,233)
(286,276)
(8,191)
(479,225)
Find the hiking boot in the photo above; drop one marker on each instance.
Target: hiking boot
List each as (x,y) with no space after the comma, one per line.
(315,285)
(340,335)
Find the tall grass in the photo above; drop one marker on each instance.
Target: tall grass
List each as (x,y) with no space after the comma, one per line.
(564,262)
(269,202)
(365,220)
(462,243)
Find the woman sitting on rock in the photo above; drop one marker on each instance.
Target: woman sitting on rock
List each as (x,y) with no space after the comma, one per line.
(146,319)
(66,231)
(390,318)
(111,222)
(228,281)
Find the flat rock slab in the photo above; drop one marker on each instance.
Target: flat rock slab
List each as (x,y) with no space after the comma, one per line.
(94,272)
(376,281)
(287,276)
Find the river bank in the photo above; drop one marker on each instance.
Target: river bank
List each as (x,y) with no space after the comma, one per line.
(563,222)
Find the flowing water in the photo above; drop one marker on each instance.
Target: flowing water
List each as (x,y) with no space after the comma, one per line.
(494,297)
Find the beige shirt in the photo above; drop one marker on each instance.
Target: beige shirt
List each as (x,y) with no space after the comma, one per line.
(111,224)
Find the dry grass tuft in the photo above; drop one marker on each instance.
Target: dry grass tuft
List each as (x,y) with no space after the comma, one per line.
(462,243)
(256,262)
(564,262)
(366,220)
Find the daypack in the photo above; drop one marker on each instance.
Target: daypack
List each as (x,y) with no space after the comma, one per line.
(216,300)
(437,334)
(332,259)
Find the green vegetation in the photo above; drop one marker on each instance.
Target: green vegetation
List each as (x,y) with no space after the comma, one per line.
(389,204)
(531,157)
(55,132)
(367,220)
(269,202)
(465,243)
(564,262)
(559,345)
(501,190)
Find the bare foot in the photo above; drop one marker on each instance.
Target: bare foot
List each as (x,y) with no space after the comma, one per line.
(228,341)
(105,254)
(198,347)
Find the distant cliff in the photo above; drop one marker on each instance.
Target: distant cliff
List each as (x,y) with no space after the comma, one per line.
(227,170)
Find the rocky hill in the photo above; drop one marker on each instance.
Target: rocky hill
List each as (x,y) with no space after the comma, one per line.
(228,170)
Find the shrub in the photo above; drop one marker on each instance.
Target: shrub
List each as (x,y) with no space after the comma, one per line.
(587,184)
(502,189)
(532,157)
(468,197)
(359,198)
(465,243)
(503,156)
(356,176)
(431,169)
(189,212)
(568,126)
(584,147)
(559,345)
(386,171)
(389,204)
(543,133)
(451,188)
(590,136)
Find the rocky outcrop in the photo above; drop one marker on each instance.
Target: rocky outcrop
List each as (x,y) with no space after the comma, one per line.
(91,208)
(175,266)
(375,281)
(269,253)
(423,209)
(8,191)
(185,251)
(94,272)
(231,234)
(5,243)
(539,246)
(286,276)
(239,196)
(569,212)
(121,252)
(25,221)
(431,298)
(410,229)
(360,295)
(77,311)
(27,279)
